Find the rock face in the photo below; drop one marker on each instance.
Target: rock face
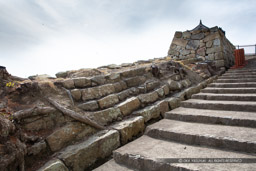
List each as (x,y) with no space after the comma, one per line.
(205,43)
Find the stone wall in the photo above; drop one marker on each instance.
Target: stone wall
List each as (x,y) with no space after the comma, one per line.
(209,44)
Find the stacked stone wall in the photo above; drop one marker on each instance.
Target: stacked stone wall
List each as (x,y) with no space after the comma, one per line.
(206,44)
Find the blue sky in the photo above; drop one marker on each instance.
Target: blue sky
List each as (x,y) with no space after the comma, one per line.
(47,36)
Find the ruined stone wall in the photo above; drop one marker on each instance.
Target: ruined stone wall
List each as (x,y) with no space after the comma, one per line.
(206,44)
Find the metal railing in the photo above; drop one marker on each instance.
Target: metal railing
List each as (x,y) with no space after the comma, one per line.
(245,46)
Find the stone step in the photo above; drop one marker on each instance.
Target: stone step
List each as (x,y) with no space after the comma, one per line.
(232,85)
(235,80)
(220,105)
(241,70)
(111,165)
(230,97)
(228,90)
(219,136)
(233,118)
(238,73)
(147,154)
(236,77)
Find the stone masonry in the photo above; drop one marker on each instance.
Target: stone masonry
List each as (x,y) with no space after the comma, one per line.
(209,44)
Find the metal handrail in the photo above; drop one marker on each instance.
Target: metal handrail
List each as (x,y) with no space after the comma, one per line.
(239,46)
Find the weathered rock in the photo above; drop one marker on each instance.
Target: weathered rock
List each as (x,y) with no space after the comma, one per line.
(123,95)
(152,85)
(160,92)
(108,101)
(6,126)
(185,52)
(68,84)
(192,90)
(209,44)
(113,66)
(166,89)
(173,52)
(211,37)
(148,97)
(201,52)
(112,77)
(135,81)
(119,86)
(130,128)
(202,44)
(148,113)
(163,106)
(97,92)
(186,35)
(186,83)
(210,57)
(213,49)
(129,105)
(82,82)
(178,34)
(104,117)
(76,94)
(61,74)
(89,106)
(197,36)
(126,64)
(54,165)
(174,85)
(173,102)
(216,42)
(219,63)
(133,72)
(68,133)
(179,42)
(98,80)
(80,156)
(37,148)
(219,55)
(193,44)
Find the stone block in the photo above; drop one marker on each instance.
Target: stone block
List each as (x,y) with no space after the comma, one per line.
(201,52)
(216,42)
(174,85)
(129,128)
(219,63)
(173,52)
(209,44)
(97,92)
(210,57)
(54,165)
(98,80)
(185,52)
(197,36)
(178,34)
(213,49)
(173,103)
(82,82)
(133,72)
(76,94)
(68,133)
(148,97)
(112,77)
(179,42)
(128,106)
(219,55)
(163,106)
(105,117)
(166,89)
(108,101)
(69,84)
(186,35)
(80,156)
(160,92)
(186,83)
(123,95)
(192,90)
(135,81)
(148,113)
(211,36)
(202,44)
(152,85)
(193,44)
(89,106)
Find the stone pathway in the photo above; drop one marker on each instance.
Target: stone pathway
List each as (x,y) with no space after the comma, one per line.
(218,122)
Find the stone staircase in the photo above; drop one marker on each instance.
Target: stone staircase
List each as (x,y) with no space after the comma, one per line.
(218,122)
